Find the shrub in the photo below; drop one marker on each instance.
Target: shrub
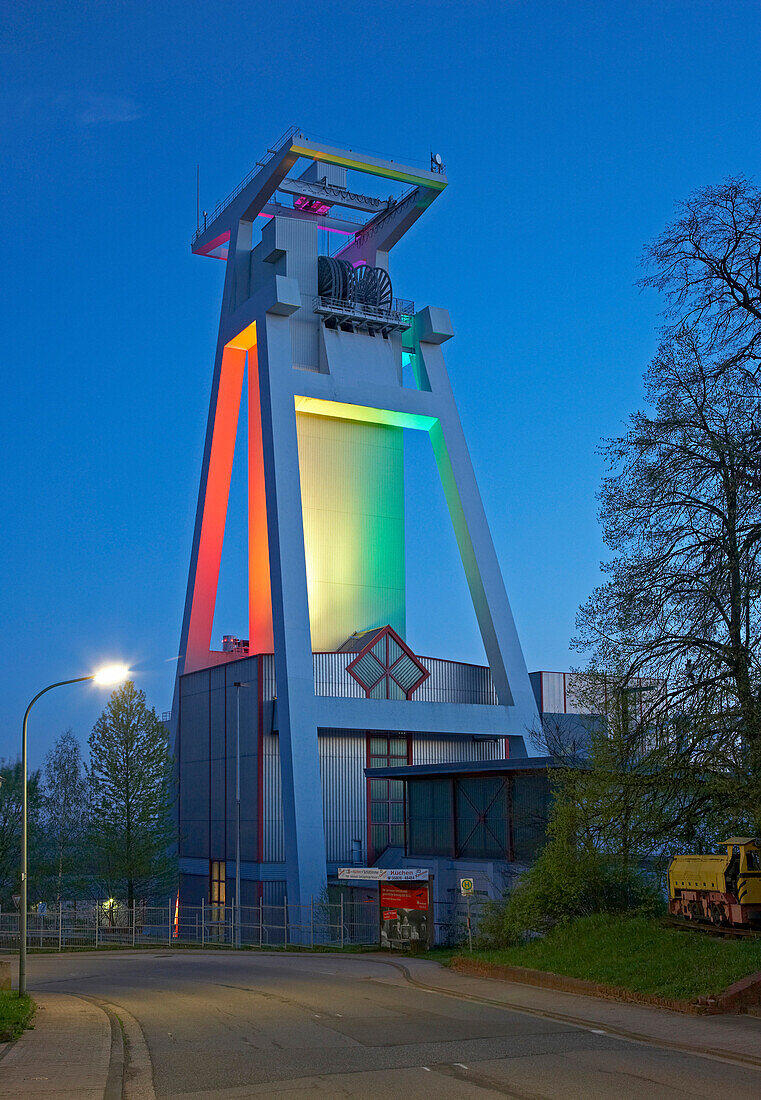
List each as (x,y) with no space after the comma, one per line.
(568,880)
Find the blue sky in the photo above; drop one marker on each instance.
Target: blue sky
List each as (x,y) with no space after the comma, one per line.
(568,131)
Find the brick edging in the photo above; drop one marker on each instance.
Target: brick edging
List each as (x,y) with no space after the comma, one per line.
(737,996)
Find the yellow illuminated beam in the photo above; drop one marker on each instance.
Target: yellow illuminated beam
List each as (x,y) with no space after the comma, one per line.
(364,414)
(372,167)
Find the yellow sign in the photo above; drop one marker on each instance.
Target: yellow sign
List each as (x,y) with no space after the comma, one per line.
(466,886)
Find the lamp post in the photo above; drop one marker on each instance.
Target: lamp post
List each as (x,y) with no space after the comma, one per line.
(112,674)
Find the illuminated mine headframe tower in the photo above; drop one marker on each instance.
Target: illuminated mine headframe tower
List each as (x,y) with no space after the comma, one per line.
(321,340)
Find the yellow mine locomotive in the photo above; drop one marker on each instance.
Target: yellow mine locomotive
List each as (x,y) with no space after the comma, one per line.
(722,889)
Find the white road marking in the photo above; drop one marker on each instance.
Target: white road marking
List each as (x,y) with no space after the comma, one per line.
(426,1069)
(459,1064)
(597,1031)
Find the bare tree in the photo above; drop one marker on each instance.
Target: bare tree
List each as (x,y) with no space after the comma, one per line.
(681,512)
(632,770)
(708,263)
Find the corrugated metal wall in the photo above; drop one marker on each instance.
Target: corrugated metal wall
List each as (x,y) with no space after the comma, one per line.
(344,804)
(331,677)
(273,892)
(437,750)
(273,845)
(567,693)
(449,682)
(193,746)
(269,687)
(453,682)
(344,791)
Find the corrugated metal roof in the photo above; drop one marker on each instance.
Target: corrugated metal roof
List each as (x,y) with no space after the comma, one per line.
(359,640)
(465,767)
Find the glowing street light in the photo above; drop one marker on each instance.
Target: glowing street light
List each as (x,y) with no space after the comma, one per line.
(109,674)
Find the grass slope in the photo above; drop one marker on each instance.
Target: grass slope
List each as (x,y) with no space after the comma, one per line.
(15,1014)
(636,953)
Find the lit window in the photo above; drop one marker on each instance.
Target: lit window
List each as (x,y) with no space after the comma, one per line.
(217,882)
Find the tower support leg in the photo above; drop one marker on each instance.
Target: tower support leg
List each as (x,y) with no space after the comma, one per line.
(296,711)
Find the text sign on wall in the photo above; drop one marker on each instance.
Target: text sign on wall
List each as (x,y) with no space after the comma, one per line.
(386,874)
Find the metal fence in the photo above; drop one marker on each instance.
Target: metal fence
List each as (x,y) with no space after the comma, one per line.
(451,920)
(104,924)
(320,924)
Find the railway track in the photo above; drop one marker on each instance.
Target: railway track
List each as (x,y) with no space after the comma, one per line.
(727,932)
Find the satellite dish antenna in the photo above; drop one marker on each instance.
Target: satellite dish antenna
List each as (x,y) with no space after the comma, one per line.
(437,164)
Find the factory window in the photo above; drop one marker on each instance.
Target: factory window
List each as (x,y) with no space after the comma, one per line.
(482,818)
(387,669)
(478,817)
(431,821)
(530,809)
(217,883)
(386,796)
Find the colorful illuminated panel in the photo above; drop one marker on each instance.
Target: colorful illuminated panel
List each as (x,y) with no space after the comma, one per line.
(352,492)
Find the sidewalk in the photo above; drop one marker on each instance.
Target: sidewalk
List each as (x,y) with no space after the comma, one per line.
(66,1055)
(727,1036)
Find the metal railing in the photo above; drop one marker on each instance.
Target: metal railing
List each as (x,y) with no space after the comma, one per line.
(208,219)
(400,312)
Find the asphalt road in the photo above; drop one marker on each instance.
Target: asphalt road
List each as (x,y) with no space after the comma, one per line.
(232,1025)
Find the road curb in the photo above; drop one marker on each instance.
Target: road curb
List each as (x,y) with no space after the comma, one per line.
(741,994)
(563,983)
(131,1073)
(615,1031)
(115,1079)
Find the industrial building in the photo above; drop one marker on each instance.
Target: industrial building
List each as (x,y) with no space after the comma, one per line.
(322,740)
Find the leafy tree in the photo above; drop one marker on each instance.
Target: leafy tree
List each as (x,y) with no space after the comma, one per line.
(10,831)
(65,814)
(708,264)
(130,775)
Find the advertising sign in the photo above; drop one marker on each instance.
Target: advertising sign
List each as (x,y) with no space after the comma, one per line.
(405,914)
(386,874)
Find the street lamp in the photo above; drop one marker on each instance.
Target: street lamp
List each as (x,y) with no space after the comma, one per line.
(110,674)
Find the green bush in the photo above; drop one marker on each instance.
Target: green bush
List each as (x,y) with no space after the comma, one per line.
(568,880)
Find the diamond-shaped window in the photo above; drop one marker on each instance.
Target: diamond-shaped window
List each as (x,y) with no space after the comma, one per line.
(387,669)
(368,670)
